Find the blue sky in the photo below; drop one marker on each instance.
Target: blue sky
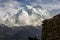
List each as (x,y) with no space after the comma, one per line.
(51,4)
(10,5)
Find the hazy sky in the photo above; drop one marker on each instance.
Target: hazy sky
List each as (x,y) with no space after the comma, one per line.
(51,4)
(14,5)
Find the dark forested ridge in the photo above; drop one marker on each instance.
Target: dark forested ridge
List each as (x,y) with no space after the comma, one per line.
(19,33)
(51,28)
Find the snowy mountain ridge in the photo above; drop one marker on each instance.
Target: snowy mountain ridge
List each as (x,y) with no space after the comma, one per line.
(28,15)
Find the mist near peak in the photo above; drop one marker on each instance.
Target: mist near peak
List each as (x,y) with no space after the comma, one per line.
(14,14)
(27,15)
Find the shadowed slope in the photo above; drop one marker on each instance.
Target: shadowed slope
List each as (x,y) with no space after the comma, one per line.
(19,33)
(51,28)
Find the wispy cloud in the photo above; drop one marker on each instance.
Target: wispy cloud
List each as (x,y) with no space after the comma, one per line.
(12,6)
(9,7)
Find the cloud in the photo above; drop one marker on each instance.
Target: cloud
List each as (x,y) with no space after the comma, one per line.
(51,6)
(13,6)
(9,7)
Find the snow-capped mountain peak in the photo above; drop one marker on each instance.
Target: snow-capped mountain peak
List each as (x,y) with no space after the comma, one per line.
(28,15)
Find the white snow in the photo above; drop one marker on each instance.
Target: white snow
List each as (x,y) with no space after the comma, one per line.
(23,17)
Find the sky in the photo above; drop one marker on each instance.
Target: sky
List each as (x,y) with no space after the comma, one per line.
(45,3)
(13,5)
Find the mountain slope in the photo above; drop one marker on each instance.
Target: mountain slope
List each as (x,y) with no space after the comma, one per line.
(19,33)
(27,15)
(51,28)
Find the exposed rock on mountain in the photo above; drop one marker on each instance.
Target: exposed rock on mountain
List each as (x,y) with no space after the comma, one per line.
(51,28)
(27,15)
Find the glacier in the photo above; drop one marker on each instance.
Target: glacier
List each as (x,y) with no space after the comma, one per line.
(27,15)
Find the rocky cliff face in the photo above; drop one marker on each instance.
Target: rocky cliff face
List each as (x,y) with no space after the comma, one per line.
(51,28)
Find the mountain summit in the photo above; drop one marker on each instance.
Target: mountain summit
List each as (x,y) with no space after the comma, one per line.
(27,15)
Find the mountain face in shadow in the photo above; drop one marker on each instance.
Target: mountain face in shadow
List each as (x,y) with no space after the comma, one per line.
(5,32)
(51,28)
(19,33)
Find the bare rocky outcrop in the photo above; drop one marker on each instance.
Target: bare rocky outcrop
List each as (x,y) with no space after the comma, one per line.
(51,28)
